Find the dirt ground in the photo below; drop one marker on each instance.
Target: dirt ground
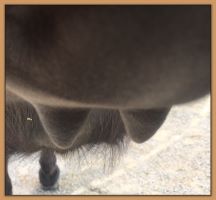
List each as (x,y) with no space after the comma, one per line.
(175,161)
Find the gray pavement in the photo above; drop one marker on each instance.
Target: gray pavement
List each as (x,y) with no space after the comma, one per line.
(175,161)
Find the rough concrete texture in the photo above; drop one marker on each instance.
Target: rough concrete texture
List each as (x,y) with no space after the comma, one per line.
(175,161)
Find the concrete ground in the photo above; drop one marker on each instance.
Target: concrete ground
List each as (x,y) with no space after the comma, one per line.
(175,161)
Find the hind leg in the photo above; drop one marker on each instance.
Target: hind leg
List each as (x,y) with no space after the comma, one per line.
(8,185)
(49,171)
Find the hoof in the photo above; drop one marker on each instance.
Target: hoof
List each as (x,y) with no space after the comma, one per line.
(49,180)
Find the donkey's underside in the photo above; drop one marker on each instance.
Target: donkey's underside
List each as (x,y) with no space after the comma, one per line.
(85,75)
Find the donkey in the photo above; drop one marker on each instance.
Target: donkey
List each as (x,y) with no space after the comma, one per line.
(82,75)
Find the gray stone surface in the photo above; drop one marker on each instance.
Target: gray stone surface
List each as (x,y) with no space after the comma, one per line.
(175,161)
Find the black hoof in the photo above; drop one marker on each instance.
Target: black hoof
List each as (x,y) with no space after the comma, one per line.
(49,180)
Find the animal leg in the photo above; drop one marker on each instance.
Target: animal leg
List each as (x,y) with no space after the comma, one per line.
(8,184)
(49,171)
